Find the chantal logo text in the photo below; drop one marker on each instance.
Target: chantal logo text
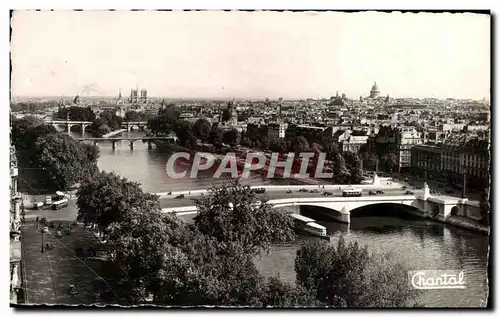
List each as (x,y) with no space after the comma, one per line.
(436,279)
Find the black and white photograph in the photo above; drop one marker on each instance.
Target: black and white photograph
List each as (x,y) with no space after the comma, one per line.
(260,159)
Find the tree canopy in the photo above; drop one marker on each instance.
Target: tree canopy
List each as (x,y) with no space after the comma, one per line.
(234,214)
(211,262)
(76,113)
(60,161)
(202,128)
(106,197)
(348,276)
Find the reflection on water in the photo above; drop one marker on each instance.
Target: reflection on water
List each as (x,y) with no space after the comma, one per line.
(420,244)
(416,243)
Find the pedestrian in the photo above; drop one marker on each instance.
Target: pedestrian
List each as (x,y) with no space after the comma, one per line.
(36,222)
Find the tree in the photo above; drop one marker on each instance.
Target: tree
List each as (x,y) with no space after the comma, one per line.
(246,142)
(99,127)
(299,144)
(111,119)
(138,241)
(234,214)
(226,115)
(23,133)
(264,144)
(347,275)
(369,161)
(184,131)
(215,135)
(202,129)
(356,169)
(106,197)
(231,137)
(279,145)
(63,161)
(134,116)
(349,158)
(330,147)
(390,162)
(340,172)
(283,294)
(170,111)
(165,122)
(76,113)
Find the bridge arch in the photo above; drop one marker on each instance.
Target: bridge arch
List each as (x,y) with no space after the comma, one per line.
(383,209)
(75,127)
(60,126)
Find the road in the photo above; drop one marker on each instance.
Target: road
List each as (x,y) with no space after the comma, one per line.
(64,214)
(433,185)
(189,201)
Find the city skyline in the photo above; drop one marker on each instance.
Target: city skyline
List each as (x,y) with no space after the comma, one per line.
(408,55)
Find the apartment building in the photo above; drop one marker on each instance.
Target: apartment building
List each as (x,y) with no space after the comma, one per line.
(406,139)
(466,157)
(15,231)
(353,143)
(426,159)
(451,162)
(311,133)
(276,130)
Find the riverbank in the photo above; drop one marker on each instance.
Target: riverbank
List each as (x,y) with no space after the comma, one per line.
(456,221)
(112,133)
(467,223)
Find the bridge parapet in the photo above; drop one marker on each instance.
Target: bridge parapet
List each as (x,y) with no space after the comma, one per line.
(343,206)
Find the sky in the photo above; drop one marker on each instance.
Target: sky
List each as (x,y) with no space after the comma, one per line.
(250,54)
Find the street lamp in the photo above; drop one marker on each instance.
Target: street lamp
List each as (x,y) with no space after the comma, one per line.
(42,232)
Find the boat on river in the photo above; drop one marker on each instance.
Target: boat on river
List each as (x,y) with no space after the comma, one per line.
(309,226)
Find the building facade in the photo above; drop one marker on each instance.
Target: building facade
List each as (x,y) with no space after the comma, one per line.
(353,143)
(466,159)
(313,134)
(15,232)
(426,161)
(406,139)
(276,131)
(453,162)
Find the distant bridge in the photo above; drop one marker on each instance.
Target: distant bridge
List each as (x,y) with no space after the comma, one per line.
(67,124)
(132,140)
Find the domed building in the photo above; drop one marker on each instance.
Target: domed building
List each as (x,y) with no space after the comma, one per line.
(374,93)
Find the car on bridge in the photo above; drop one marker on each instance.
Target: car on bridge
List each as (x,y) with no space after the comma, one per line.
(303,190)
(408,192)
(372,193)
(380,192)
(259,190)
(314,191)
(289,191)
(181,196)
(328,193)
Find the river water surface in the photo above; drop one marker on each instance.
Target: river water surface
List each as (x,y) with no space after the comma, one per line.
(421,244)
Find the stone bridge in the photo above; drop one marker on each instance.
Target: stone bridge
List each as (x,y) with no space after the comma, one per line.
(131,140)
(67,125)
(425,205)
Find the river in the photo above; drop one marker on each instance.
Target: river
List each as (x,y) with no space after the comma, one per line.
(421,244)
